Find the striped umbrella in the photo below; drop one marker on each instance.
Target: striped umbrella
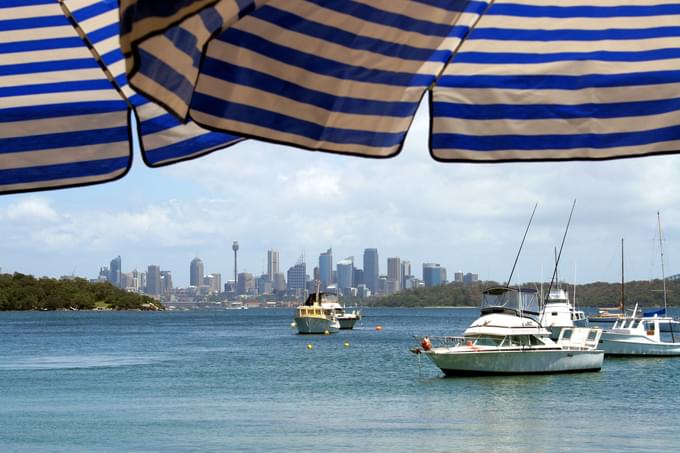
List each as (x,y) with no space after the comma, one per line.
(66,106)
(507,80)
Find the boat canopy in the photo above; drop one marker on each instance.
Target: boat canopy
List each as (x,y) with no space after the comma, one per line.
(652,313)
(515,300)
(323,297)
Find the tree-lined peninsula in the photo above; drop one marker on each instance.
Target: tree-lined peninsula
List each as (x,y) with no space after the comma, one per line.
(646,293)
(25,292)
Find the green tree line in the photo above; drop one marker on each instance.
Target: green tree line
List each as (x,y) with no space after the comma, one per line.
(25,292)
(646,294)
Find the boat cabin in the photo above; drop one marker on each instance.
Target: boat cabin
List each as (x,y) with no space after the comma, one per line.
(517,301)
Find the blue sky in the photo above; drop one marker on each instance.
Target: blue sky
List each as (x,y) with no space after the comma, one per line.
(463,216)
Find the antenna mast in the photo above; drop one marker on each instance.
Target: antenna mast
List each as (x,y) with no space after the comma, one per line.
(507,285)
(557,261)
(663,274)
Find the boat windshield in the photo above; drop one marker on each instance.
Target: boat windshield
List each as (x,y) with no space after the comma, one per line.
(517,300)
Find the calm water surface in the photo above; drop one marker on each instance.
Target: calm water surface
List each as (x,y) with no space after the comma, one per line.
(243,381)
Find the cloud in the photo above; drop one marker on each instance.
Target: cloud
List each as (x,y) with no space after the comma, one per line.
(31,210)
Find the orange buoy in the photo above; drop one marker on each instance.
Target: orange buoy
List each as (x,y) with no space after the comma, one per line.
(378,328)
(426,344)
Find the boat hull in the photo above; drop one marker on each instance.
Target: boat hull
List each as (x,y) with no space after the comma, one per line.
(309,325)
(347,323)
(635,345)
(515,362)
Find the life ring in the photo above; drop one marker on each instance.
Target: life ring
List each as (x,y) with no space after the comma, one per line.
(426,344)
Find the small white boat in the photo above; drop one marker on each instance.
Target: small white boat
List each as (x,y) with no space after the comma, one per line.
(641,336)
(644,335)
(508,339)
(347,319)
(313,318)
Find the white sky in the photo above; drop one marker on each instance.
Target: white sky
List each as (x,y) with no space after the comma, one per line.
(468,217)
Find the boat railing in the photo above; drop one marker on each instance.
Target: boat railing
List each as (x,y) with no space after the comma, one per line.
(444,340)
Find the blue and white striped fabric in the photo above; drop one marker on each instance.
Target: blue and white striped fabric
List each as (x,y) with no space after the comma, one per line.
(562,79)
(61,121)
(163,138)
(335,75)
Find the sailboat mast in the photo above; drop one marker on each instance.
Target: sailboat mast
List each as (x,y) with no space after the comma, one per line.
(622,304)
(663,273)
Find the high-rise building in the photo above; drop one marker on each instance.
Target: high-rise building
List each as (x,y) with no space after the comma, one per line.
(326,268)
(279,283)
(470,278)
(114,272)
(393,275)
(458,277)
(272,264)
(246,283)
(345,274)
(433,274)
(405,273)
(196,272)
(358,277)
(153,280)
(297,278)
(166,282)
(371,269)
(214,282)
(264,285)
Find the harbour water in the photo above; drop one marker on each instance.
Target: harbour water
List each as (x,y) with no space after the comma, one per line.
(241,380)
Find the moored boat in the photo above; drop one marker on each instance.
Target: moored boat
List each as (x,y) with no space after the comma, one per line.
(508,339)
(558,313)
(347,319)
(313,318)
(646,335)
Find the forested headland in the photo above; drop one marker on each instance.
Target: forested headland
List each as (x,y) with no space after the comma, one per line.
(646,294)
(25,292)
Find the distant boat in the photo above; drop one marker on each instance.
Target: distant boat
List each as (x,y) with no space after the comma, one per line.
(346,318)
(312,318)
(643,335)
(508,339)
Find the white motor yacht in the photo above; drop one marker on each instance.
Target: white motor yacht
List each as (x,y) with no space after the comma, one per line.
(346,318)
(508,339)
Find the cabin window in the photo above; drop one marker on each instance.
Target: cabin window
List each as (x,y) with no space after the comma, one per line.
(535,341)
(554,313)
(592,335)
(566,334)
(520,340)
(488,341)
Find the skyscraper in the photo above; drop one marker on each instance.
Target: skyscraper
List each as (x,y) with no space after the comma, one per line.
(345,274)
(433,274)
(326,268)
(272,264)
(114,272)
(405,272)
(393,274)
(371,269)
(196,272)
(297,277)
(166,282)
(153,280)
